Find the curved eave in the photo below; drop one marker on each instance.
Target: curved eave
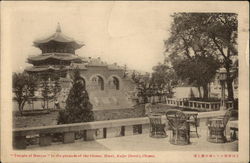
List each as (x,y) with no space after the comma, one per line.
(42,69)
(62,57)
(75,45)
(59,37)
(78,60)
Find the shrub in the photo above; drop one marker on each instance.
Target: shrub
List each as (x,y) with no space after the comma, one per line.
(78,107)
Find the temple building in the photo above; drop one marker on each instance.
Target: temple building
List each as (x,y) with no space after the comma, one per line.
(107,84)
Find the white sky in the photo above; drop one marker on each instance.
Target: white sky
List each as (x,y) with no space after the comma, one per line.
(129,33)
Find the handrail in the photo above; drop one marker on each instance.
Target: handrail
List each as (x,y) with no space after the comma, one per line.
(80,126)
(196,104)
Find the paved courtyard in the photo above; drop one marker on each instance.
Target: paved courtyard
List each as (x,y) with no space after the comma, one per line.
(143,142)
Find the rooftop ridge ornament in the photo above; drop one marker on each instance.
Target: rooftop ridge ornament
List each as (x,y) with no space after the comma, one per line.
(58,29)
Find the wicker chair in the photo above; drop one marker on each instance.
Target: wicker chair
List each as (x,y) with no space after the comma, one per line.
(217,126)
(177,122)
(157,127)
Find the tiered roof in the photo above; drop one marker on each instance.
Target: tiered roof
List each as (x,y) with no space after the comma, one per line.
(58,37)
(56,59)
(59,56)
(43,68)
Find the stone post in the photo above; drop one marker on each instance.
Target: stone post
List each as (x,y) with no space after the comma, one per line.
(19,142)
(45,139)
(68,137)
(90,134)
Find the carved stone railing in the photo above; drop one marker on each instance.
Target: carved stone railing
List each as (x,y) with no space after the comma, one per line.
(91,131)
(199,105)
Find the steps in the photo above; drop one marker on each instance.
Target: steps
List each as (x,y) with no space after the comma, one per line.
(112,99)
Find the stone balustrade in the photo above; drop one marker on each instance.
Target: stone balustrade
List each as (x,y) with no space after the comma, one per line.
(199,105)
(92,130)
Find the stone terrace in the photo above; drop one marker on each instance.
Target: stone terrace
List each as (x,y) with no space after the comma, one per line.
(143,142)
(100,115)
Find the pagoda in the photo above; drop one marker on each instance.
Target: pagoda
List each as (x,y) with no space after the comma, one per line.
(107,84)
(58,52)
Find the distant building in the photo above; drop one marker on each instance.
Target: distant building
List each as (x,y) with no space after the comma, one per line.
(106,83)
(215,87)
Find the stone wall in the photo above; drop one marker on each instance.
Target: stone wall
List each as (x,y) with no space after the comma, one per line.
(101,115)
(108,98)
(137,111)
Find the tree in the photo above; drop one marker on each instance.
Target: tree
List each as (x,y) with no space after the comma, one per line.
(23,86)
(198,70)
(206,34)
(143,85)
(222,30)
(125,71)
(78,107)
(46,93)
(50,90)
(164,78)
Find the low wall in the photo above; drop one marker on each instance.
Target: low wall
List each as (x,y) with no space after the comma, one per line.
(91,130)
(198,105)
(111,114)
(137,111)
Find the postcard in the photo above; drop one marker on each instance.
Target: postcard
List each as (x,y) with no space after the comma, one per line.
(124,81)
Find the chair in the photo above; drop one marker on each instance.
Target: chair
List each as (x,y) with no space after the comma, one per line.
(193,121)
(157,128)
(217,126)
(177,122)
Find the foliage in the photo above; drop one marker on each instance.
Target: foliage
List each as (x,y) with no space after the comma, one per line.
(23,86)
(159,83)
(50,90)
(205,34)
(125,71)
(143,85)
(198,70)
(164,79)
(78,107)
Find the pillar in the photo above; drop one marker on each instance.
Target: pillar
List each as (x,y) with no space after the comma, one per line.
(68,137)
(128,130)
(19,142)
(90,134)
(45,139)
(145,128)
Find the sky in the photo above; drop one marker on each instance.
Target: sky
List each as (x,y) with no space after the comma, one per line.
(128,33)
(125,32)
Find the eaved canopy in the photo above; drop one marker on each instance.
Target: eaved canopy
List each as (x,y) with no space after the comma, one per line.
(58,37)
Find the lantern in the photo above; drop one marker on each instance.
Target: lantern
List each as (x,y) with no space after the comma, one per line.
(223,74)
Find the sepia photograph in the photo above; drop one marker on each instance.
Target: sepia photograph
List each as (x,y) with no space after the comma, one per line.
(124,81)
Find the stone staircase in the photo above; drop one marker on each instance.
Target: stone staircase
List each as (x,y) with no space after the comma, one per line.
(112,99)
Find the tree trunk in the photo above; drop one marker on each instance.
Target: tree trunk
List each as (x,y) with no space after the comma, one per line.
(229,81)
(199,90)
(230,90)
(47,103)
(20,107)
(145,99)
(44,103)
(205,91)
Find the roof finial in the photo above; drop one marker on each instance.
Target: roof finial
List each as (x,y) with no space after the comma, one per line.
(58,29)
